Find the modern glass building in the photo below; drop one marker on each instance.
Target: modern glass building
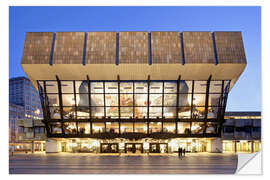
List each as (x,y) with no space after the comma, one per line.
(133,92)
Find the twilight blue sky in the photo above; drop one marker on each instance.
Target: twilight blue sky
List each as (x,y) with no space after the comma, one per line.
(245,95)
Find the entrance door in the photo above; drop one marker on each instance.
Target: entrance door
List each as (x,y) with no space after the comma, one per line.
(133,148)
(109,148)
(63,146)
(158,148)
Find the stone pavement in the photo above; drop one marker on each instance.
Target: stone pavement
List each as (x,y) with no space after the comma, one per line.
(86,163)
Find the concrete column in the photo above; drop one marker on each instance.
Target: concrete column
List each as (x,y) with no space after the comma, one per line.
(51,146)
(216,145)
(41,147)
(235,146)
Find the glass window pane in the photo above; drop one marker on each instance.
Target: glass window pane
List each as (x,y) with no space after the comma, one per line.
(126,87)
(211,128)
(97,100)
(51,87)
(197,127)
(55,128)
(215,86)
(226,86)
(199,99)
(112,127)
(84,128)
(155,100)
(141,99)
(97,87)
(185,86)
(126,112)
(82,100)
(126,100)
(126,128)
(97,112)
(111,87)
(82,112)
(70,128)
(184,113)
(198,112)
(111,99)
(169,127)
(141,112)
(170,87)
(170,99)
(41,86)
(112,112)
(141,128)
(169,112)
(155,112)
(55,112)
(183,127)
(98,128)
(81,86)
(212,112)
(67,86)
(185,99)
(141,87)
(68,99)
(53,99)
(156,87)
(155,127)
(69,112)
(214,99)
(200,86)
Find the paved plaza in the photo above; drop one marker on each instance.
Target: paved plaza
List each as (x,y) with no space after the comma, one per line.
(69,163)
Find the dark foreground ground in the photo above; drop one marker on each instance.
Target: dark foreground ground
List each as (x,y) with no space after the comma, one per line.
(65,163)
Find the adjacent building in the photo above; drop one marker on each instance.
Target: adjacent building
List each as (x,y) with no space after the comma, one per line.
(133,92)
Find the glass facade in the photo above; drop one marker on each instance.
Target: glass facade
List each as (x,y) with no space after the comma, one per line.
(175,107)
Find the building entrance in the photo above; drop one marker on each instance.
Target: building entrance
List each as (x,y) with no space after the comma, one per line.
(109,148)
(158,148)
(134,148)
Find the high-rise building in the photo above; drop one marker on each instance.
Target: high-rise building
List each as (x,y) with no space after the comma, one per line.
(133,92)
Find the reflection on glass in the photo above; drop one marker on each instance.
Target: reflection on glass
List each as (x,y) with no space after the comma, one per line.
(55,128)
(170,87)
(170,99)
(169,127)
(51,87)
(82,100)
(84,128)
(197,127)
(183,127)
(126,100)
(111,99)
(214,99)
(126,112)
(140,99)
(70,128)
(126,87)
(82,112)
(185,99)
(215,87)
(169,112)
(97,87)
(141,112)
(69,112)
(212,112)
(211,127)
(97,112)
(200,86)
(199,99)
(81,87)
(155,100)
(98,128)
(141,87)
(184,112)
(41,86)
(53,99)
(155,112)
(141,128)
(112,127)
(185,86)
(97,100)
(156,87)
(155,127)
(112,112)
(67,86)
(198,112)
(68,99)
(126,128)
(55,112)
(111,87)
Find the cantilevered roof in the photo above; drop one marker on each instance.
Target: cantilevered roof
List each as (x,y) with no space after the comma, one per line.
(133,55)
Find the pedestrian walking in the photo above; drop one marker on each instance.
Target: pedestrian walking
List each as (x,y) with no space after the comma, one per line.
(181,151)
(184,152)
